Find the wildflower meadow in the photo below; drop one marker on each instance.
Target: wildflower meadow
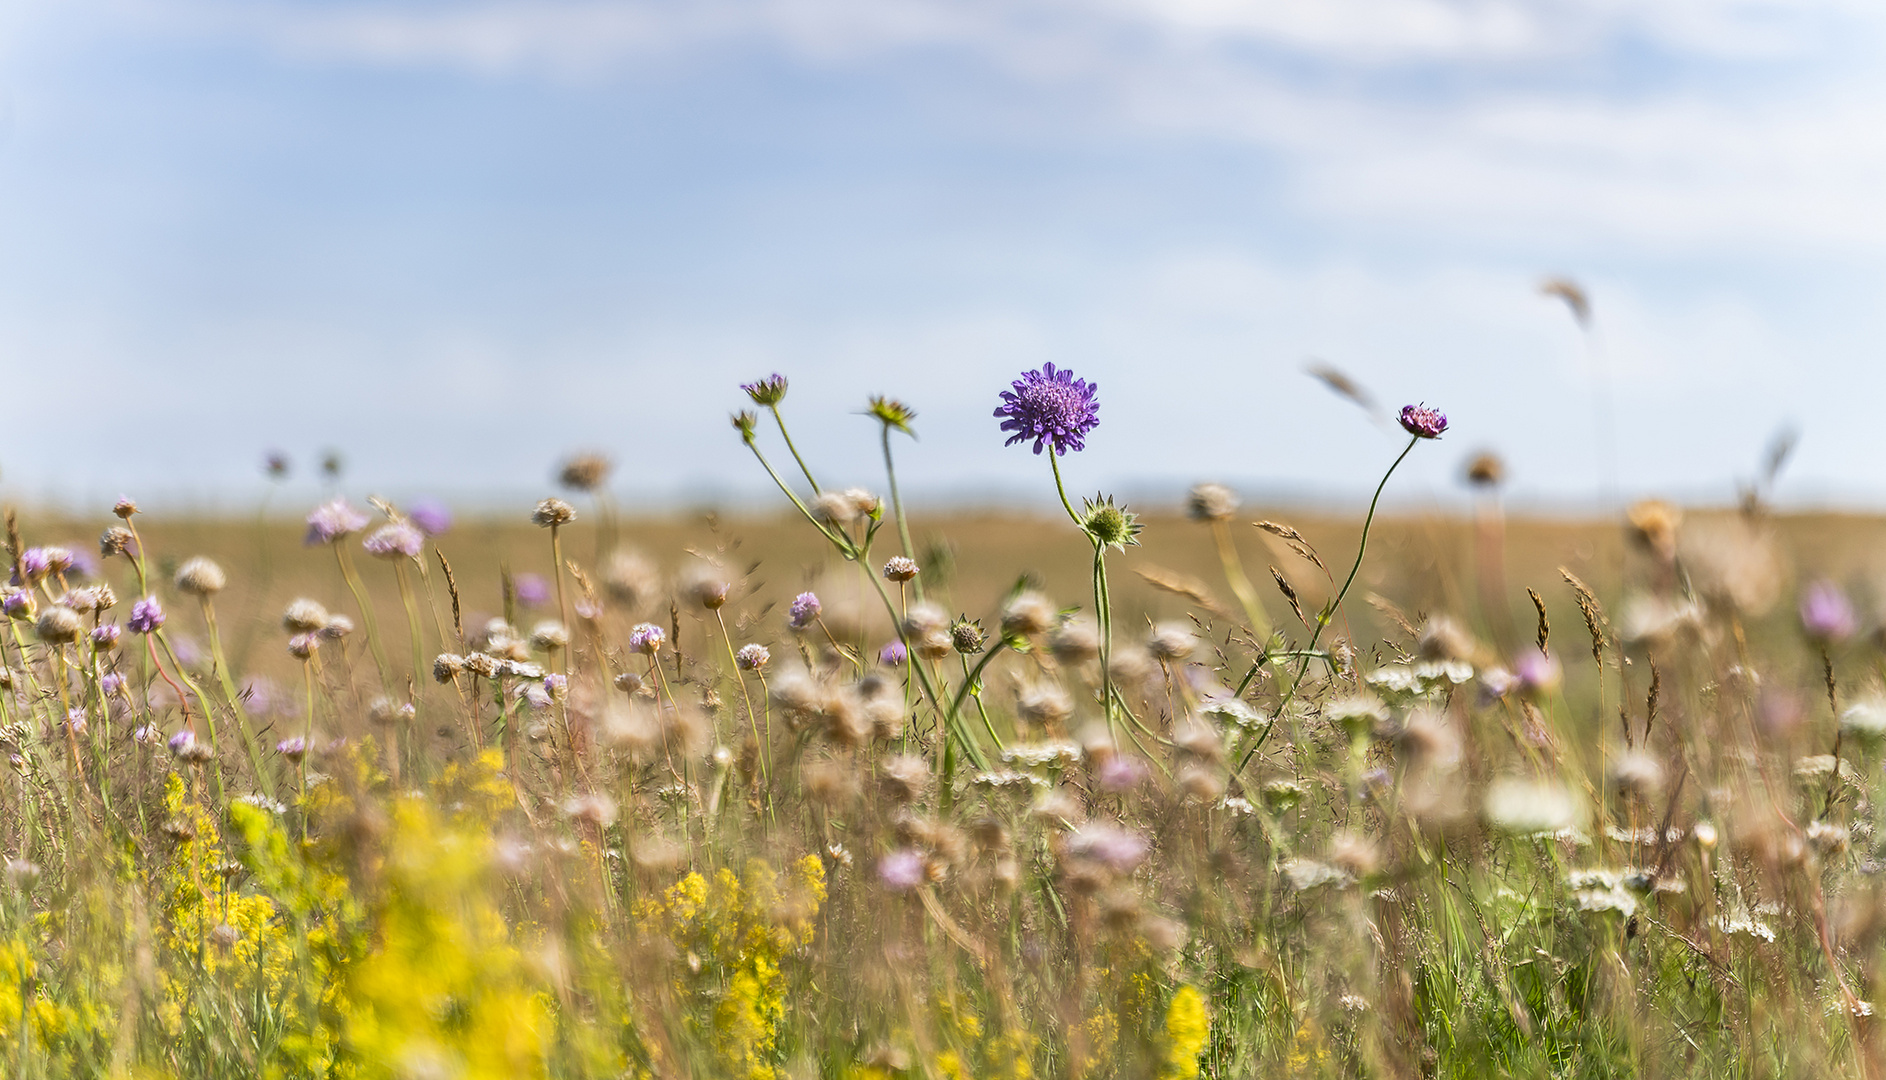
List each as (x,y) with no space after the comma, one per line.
(857,794)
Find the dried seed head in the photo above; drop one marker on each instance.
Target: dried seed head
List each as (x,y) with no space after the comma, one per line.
(904,778)
(1172,641)
(1211,502)
(631,578)
(967,636)
(304,617)
(549,636)
(1075,641)
(58,625)
(124,507)
(336,628)
(1486,470)
(709,592)
(1444,639)
(1027,615)
(585,472)
(1636,774)
(447,666)
(1045,703)
(553,512)
(927,628)
(116,541)
(201,577)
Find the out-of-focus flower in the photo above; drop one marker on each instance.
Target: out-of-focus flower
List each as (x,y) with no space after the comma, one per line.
(395,540)
(1826,616)
(553,512)
(1653,526)
(768,392)
(433,517)
(303,646)
(182,741)
(58,625)
(1121,772)
(1051,407)
(585,472)
(1211,502)
(303,616)
(275,465)
(1027,615)
(893,654)
(1109,845)
(547,636)
(146,616)
(1537,672)
(1423,422)
(1532,807)
(117,540)
(752,657)
(902,870)
(1486,470)
(531,590)
(294,749)
(332,521)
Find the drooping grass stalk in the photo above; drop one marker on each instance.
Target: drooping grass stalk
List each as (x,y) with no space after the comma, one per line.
(368,622)
(1254,612)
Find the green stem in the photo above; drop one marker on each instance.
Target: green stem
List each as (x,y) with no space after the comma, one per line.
(781,421)
(897,508)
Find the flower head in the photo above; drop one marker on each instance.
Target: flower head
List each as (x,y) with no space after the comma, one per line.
(1051,407)
(744,422)
(117,540)
(275,465)
(182,742)
(333,520)
(553,512)
(902,870)
(900,569)
(805,608)
(1114,526)
(752,657)
(1109,845)
(892,413)
(531,590)
(1826,615)
(201,577)
(1423,422)
(432,516)
(294,749)
(585,472)
(769,391)
(893,655)
(646,638)
(397,540)
(146,616)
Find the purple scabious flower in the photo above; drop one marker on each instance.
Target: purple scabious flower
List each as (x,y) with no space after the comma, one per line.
(646,638)
(768,391)
(105,636)
(433,517)
(293,749)
(902,870)
(556,685)
(19,604)
(1826,615)
(1535,672)
(532,590)
(893,655)
(146,616)
(77,722)
(332,520)
(397,540)
(1121,772)
(35,563)
(1051,407)
(1109,845)
(1423,422)
(805,608)
(182,741)
(112,683)
(752,657)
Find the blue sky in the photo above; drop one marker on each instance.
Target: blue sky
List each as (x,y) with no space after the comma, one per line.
(457,240)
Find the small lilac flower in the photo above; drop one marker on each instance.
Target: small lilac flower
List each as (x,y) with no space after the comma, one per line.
(1109,845)
(1423,422)
(19,604)
(146,616)
(902,870)
(397,540)
(893,655)
(181,743)
(768,391)
(1121,772)
(333,520)
(275,465)
(293,749)
(34,564)
(805,608)
(80,565)
(58,559)
(1826,616)
(1051,407)
(76,722)
(532,590)
(1535,672)
(146,734)
(752,657)
(646,638)
(112,684)
(535,695)
(433,517)
(556,685)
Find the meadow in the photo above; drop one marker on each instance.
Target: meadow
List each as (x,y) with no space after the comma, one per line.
(1222,791)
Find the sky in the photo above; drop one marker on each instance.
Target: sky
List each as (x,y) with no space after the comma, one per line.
(459,240)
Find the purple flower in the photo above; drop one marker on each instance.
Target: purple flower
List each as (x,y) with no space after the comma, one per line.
(805,608)
(293,749)
(893,655)
(768,391)
(76,722)
(532,590)
(1051,407)
(1826,616)
(535,695)
(397,540)
(112,683)
(182,741)
(146,616)
(1109,845)
(646,638)
(105,635)
(19,604)
(332,520)
(902,870)
(433,517)
(275,465)
(1121,772)
(1423,422)
(1535,672)
(34,564)
(752,657)
(556,685)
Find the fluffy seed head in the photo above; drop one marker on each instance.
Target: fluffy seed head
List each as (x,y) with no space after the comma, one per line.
(1486,470)
(585,472)
(58,625)
(1423,422)
(304,616)
(446,667)
(201,577)
(1211,502)
(1028,614)
(549,635)
(1172,641)
(116,541)
(553,512)
(1051,407)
